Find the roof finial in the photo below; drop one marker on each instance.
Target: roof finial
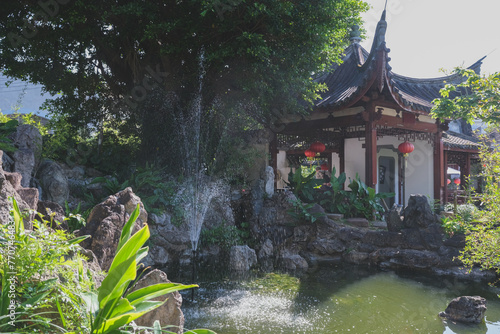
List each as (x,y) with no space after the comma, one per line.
(355,35)
(383,13)
(379,37)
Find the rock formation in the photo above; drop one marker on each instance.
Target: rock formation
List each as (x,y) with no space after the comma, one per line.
(170,313)
(242,258)
(54,183)
(105,224)
(467,309)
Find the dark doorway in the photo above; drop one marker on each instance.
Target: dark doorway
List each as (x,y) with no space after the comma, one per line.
(386,177)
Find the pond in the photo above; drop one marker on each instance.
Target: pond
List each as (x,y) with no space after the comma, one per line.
(335,300)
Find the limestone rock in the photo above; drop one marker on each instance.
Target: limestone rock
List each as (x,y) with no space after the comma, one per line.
(28,140)
(269,181)
(7,163)
(14,179)
(169,237)
(106,221)
(55,187)
(265,256)
(242,258)
(291,261)
(266,250)
(468,309)
(394,220)
(219,209)
(327,246)
(28,137)
(24,164)
(30,196)
(7,190)
(170,313)
(358,222)
(418,213)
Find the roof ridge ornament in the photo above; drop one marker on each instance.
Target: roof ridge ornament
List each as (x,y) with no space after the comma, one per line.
(379,37)
(355,35)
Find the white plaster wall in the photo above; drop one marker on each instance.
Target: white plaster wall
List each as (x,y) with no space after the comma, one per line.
(419,170)
(354,158)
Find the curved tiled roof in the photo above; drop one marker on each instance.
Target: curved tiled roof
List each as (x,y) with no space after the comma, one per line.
(360,70)
(459,140)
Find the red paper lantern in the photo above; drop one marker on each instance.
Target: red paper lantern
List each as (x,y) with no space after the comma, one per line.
(456,181)
(406,147)
(324,167)
(317,147)
(310,153)
(449,181)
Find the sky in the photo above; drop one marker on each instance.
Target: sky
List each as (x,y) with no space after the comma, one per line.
(425,36)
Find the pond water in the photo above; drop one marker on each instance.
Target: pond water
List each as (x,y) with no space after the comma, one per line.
(335,300)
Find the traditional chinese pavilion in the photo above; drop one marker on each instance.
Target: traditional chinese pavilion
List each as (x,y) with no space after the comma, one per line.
(363,117)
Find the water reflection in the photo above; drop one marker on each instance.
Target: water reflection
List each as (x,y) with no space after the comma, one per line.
(336,300)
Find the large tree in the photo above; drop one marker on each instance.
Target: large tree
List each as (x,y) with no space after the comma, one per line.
(118,58)
(478,98)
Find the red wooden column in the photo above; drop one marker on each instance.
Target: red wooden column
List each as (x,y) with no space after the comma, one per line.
(445,159)
(371,154)
(342,159)
(439,172)
(466,174)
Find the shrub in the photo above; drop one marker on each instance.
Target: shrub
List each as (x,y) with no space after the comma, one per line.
(42,273)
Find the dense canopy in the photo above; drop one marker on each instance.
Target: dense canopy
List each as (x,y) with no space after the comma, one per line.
(132,60)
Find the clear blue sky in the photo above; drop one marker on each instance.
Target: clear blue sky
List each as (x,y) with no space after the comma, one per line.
(427,35)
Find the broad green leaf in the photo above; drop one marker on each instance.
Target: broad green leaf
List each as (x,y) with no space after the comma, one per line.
(91,302)
(18,220)
(130,248)
(118,321)
(127,229)
(116,281)
(78,239)
(156,290)
(141,253)
(123,306)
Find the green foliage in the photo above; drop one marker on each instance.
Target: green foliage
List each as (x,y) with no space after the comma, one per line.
(33,120)
(224,236)
(454,225)
(361,201)
(113,305)
(483,236)
(304,187)
(302,212)
(110,150)
(40,263)
(6,128)
(157,193)
(234,160)
(334,199)
(74,217)
(258,58)
(478,97)
(364,201)
(42,271)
